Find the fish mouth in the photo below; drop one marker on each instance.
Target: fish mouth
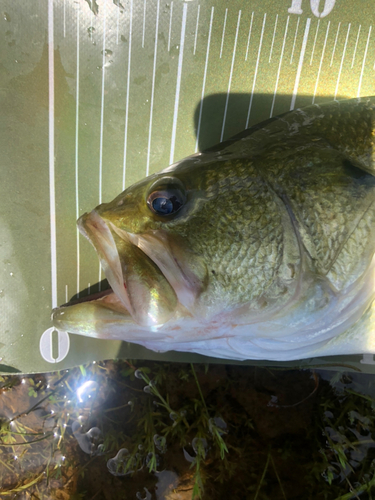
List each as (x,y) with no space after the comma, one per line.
(152,278)
(94,228)
(139,286)
(88,295)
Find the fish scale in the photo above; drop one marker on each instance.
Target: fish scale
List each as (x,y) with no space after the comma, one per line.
(326,184)
(345,269)
(222,248)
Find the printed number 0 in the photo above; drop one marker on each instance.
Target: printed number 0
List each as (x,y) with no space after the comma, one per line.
(295,8)
(45,345)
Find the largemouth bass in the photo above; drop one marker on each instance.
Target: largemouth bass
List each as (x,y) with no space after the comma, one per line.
(260,248)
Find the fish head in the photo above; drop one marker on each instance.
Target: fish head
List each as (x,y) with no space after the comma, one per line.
(146,256)
(140,240)
(188,241)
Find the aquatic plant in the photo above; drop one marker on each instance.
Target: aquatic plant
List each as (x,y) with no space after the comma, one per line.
(211,431)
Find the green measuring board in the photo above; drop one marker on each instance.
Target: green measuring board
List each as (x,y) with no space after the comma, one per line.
(97,94)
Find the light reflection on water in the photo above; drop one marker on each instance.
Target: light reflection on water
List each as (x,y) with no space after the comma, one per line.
(218,431)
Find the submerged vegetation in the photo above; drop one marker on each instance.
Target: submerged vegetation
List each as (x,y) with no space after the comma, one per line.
(147,430)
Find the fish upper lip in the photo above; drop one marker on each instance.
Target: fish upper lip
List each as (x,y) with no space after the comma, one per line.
(96,230)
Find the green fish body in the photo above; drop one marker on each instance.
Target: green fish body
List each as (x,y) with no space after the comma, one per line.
(260,248)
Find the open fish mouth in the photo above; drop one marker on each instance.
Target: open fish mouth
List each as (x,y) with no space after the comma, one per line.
(139,285)
(94,228)
(150,278)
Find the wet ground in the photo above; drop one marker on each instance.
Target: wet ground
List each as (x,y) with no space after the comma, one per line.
(146,430)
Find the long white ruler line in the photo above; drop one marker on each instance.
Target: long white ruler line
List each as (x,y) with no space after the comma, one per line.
(273,37)
(144,24)
(196,30)
(342,62)
(316,36)
(178,82)
(223,35)
(102,121)
(230,76)
(248,38)
(356,45)
(279,68)
(321,62)
(256,71)
(51,150)
(102,105)
(295,39)
(76,152)
(170,26)
(127,93)
(153,88)
(204,80)
(334,46)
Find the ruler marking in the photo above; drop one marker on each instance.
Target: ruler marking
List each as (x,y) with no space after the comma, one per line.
(204,79)
(127,93)
(230,75)
(342,62)
(76,151)
(222,37)
(294,42)
(178,82)
(334,46)
(102,121)
(248,38)
(153,87)
(170,27)
(363,62)
(256,71)
(279,68)
(91,19)
(144,24)
(356,44)
(51,151)
(64,20)
(273,37)
(118,21)
(102,106)
(316,36)
(300,63)
(196,30)
(321,62)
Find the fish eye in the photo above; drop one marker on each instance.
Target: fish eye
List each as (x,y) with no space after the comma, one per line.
(166,196)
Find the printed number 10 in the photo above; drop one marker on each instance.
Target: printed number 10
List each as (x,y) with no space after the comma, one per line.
(295,8)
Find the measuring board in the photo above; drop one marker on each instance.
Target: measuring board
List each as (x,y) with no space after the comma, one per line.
(97,94)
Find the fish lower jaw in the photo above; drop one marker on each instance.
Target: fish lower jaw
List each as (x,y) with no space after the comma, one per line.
(91,314)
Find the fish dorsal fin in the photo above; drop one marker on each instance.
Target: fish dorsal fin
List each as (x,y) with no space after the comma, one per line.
(347,126)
